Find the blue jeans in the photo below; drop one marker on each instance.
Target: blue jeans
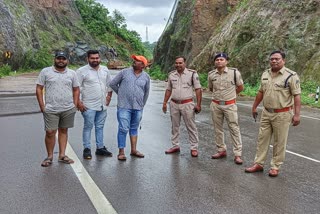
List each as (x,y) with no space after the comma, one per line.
(96,118)
(128,120)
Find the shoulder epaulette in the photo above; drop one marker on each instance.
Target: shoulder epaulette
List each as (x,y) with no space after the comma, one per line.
(291,73)
(194,71)
(171,72)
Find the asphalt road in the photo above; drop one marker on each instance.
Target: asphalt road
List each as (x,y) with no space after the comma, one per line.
(158,183)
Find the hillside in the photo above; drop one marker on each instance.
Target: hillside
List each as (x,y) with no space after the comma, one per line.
(32,30)
(248,30)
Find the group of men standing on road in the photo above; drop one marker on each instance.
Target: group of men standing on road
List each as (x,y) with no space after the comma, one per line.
(63,88)
(279,91)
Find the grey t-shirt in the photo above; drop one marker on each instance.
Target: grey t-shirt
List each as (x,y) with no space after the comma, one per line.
(58,88)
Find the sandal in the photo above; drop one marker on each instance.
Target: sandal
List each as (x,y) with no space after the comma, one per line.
(46,162)
(122,157)
(66,160)
(137,154)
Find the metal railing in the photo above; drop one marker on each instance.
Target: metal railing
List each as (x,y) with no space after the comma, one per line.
(170,19)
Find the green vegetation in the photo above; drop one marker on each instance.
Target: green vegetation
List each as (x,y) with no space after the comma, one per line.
(242,4)
(111,30)
(250,90)
(308,90)
(37,59)
(203,79)
(150,47)
(5,70)
(156,73)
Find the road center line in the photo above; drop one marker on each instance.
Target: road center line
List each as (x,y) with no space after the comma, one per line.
(99,201)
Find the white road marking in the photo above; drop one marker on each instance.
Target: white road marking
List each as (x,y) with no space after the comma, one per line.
(297,154)
(99,201)
(247,105)
(302,156)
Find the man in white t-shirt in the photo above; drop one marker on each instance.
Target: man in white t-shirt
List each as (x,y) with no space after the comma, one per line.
(95,97)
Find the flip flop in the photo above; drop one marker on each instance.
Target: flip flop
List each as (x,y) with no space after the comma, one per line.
(46,162)
(122,157)
(137,154)
(66,160)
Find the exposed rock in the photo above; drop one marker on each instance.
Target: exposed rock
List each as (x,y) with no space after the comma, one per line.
(26,26)
(248,31)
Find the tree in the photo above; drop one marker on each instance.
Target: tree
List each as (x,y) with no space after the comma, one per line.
(118,19)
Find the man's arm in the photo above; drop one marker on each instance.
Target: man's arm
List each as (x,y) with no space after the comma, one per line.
(116,81)
(76,95)
(297,107)
(239,89)
(197,108)
(210,86)
(257,101)
(167,95)
(39,94)
(146,92)
(108,98)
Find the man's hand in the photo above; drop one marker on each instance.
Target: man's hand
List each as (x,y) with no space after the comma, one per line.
(254,115)
(164,107)
(108,100)
(81,107)
(42,108)
(197,109)
(295,120)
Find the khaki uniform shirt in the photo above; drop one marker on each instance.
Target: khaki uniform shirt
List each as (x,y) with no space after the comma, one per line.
(223,86)
(278,91)
(181,85)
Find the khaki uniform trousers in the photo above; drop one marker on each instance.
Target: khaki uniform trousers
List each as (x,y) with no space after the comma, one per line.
(230,112)
(188,115)
(276,125)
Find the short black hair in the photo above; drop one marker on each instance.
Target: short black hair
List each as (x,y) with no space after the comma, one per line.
(184,59)
(279,52)
(90,52)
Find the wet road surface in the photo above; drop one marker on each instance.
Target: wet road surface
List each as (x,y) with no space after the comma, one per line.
(158,183)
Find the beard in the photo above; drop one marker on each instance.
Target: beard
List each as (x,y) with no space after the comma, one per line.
(94,64)
(60,65)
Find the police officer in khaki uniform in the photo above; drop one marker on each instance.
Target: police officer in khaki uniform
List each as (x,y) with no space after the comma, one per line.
(181,83)
(225,83)
(280,93)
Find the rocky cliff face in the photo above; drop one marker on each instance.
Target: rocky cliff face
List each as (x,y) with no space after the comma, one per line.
(27,25)
(248,30)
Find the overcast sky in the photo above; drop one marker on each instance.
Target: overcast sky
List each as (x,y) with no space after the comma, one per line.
(140,14)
